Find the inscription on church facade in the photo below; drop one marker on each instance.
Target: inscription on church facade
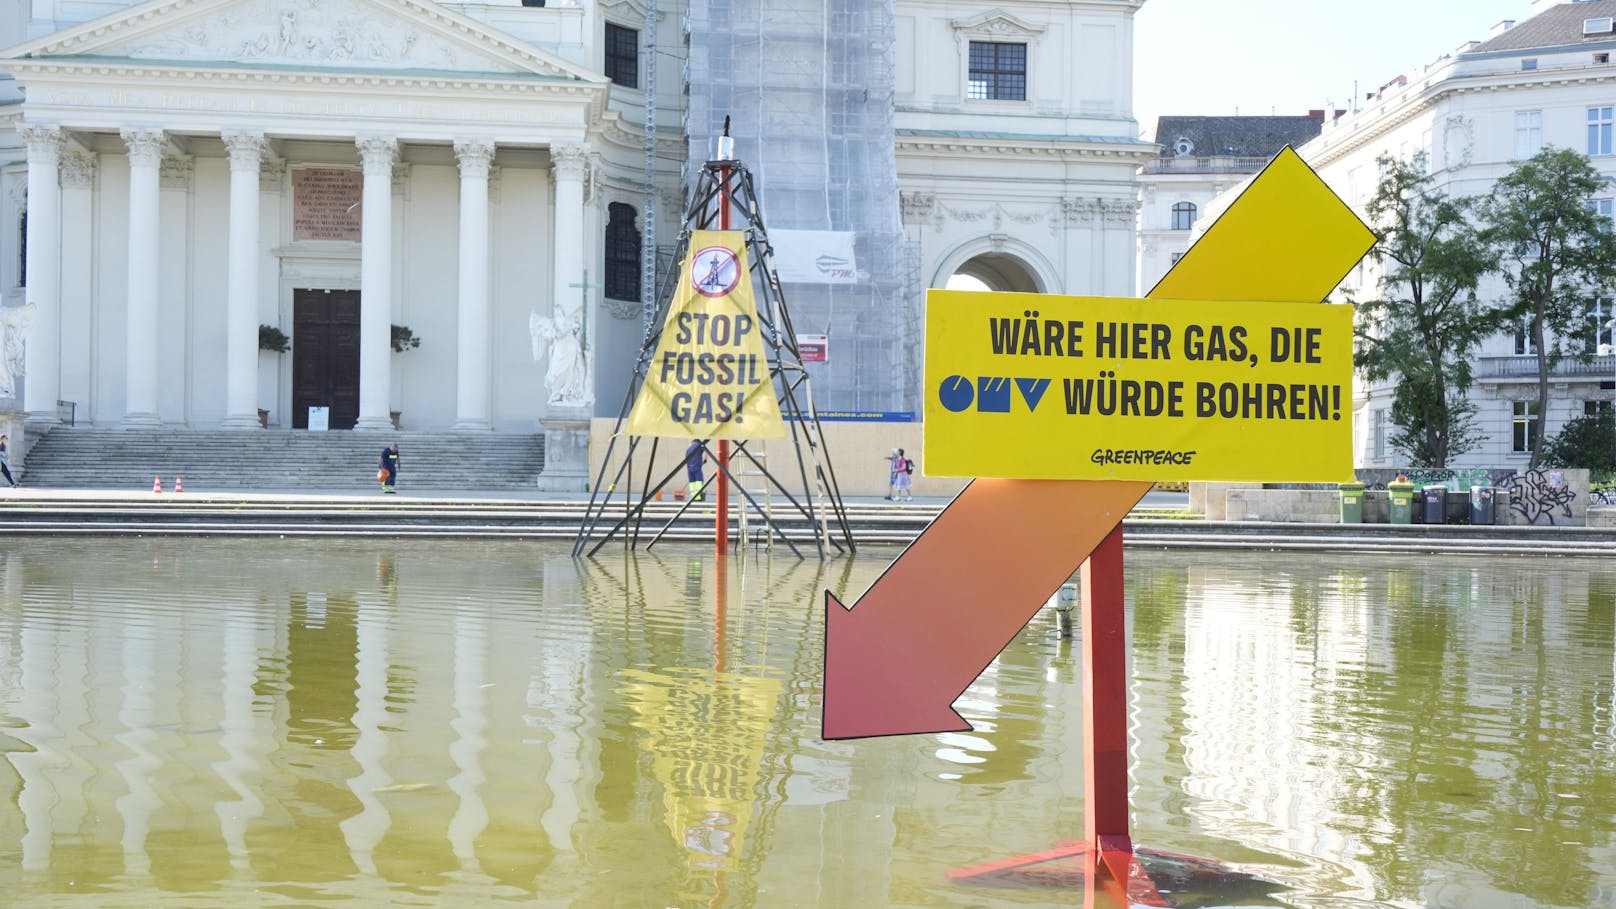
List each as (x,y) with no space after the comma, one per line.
(325,203)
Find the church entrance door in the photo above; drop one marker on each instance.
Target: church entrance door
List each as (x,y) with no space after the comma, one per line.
(325,356)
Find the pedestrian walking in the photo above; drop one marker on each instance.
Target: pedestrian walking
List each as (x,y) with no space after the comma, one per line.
(388,472)
(5,461)
(903,471)
(894,461)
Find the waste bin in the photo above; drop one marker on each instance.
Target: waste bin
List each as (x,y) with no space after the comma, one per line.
(1352,503)
(1436,505)
(1401,495)
(1481,505)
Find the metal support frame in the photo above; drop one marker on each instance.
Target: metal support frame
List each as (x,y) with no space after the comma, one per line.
(724,190)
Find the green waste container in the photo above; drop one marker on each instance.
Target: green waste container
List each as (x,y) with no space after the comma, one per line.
(1352,503)
(1401,493)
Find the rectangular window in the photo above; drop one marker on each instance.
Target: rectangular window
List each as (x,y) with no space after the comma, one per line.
(1597,323)
(1523,426)
(1528,133)
(998,72)
(1600,120)
(1601,207)
(1524,345)
(623,55)
(1380,434)
(1595,408)
(1529,63)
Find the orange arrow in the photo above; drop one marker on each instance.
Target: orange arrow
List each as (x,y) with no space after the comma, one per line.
(962,590)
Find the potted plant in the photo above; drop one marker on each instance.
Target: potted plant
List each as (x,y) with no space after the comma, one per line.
(272,339)
(404,339)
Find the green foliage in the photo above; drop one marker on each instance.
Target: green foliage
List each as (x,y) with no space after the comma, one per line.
(1427,320)
(273,339)
(404,339)
(1556,256)
(1584,442)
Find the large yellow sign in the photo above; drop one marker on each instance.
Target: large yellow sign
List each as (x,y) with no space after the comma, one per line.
(1031,386)
(710,377)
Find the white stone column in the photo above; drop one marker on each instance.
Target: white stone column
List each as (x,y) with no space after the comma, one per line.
(566,425)
(140,332)
(473,373)
(241,294)
(571,162)
(378,153)
(42,363)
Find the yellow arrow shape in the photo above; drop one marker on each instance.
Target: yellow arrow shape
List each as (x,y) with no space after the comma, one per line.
(894,668)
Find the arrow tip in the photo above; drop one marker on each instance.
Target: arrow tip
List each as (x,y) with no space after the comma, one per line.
(868,693)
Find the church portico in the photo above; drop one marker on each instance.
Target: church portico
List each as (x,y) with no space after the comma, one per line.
(221,188)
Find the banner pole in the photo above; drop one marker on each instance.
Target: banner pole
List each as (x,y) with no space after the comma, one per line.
(721,492)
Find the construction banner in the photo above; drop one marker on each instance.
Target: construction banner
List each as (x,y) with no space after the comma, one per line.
(710,376)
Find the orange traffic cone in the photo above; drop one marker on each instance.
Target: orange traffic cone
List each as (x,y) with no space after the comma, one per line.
(179,483)
(156,484)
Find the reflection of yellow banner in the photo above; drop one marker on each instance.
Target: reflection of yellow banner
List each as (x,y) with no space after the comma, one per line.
(1044,387)
(706,734)
(710,377)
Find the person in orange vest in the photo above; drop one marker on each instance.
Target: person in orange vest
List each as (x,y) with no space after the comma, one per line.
(390,465)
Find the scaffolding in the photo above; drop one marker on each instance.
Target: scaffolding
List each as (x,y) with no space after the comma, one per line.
(809,86)
(810,509)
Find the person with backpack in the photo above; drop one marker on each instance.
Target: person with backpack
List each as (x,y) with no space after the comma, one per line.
(905,474)
(898,479)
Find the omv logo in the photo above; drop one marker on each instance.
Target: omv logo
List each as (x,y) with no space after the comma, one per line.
(989,394)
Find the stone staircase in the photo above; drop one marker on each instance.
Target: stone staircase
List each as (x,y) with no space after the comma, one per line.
(69,458)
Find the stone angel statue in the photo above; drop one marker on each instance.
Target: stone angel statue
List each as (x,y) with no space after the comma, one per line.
(567,376)
(15,321)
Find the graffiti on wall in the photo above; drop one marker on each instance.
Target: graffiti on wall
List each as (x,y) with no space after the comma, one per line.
(1540,494)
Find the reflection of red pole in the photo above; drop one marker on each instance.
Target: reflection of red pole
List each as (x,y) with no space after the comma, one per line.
(721,493)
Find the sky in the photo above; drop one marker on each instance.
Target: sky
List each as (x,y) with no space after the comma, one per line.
(1260,57)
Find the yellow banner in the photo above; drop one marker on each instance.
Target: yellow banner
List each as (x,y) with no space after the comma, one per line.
(710,376)
(1032,386)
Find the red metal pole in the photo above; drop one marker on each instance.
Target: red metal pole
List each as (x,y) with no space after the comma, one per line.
(1105,699)
(721,491)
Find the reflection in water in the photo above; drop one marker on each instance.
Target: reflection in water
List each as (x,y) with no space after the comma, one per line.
(223,723)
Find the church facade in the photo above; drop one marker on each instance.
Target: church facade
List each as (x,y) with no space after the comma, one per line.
(439,209)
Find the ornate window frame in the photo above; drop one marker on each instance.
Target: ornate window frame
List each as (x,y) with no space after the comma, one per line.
(995,27)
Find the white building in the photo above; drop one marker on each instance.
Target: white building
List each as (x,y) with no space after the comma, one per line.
(1200,159)
(176,173)
(1477,111)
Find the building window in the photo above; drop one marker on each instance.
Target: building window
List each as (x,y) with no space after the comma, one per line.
(1183,215)
(1595,408)
(1176,257)
(1597,320)
(1525,346)
(1529,63)
(622,253)
(1528,133)
(1600,120)
(998,72)
(1380,434)
(532,2)
(623,55)
(1523,425)
(1601,58)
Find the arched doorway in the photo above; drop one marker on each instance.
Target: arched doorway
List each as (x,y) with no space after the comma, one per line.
(995,271)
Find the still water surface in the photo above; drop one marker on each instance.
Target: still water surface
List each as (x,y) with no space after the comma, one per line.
(229,723)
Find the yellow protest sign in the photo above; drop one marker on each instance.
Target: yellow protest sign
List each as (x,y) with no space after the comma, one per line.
(1032,386)
(710,378)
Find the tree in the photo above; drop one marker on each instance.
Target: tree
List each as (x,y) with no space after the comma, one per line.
(1584,442)
(1426,321)
(1557,256)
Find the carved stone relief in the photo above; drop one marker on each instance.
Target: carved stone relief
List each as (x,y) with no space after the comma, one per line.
(174,172)
(78,170)
(329,32)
